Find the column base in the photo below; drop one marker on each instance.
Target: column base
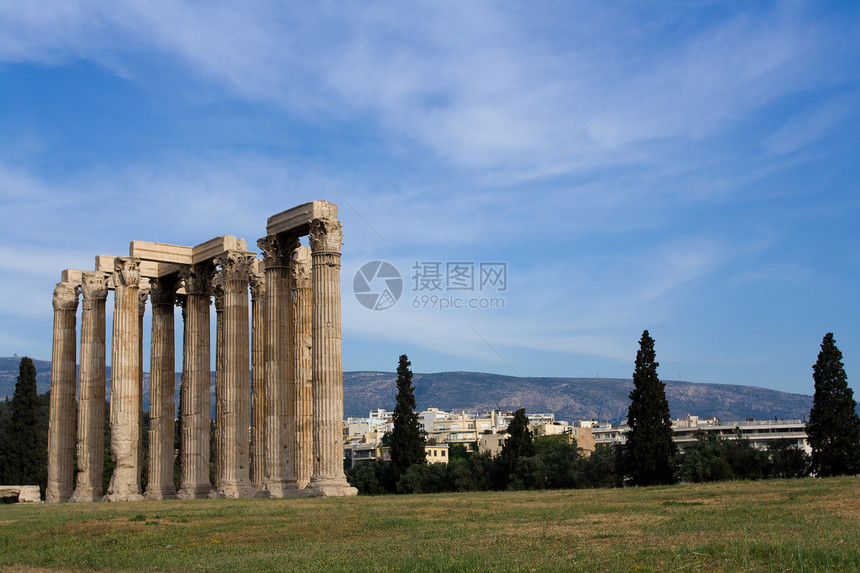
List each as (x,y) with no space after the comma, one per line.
(194,492)
(331,491)
(85,495)
(234,491)
(55,496)
(331,488)
(280,488)
(163,493)
(123,497)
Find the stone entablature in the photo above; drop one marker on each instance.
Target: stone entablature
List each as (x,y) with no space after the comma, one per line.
(292,349)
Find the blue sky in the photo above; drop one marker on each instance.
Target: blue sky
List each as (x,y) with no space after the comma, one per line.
(686,168)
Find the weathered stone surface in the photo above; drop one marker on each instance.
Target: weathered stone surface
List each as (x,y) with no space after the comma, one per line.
(234,467)
(326,237)
(206,252)
(161,252)
(294,400)
(279,474)
(195,384)
(296,221)
(73,276)
(258,374)
(29,494)
(24,493)
(91,409)
(218,297)
(125,403)
(161,390)
(147,269)
(61,424)
(301,337)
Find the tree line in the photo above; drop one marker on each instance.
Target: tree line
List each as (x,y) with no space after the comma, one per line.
(649,457)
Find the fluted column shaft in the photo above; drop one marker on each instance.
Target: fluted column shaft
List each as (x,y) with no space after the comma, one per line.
(276,252)
(61,424)
(301,338)
(125,382)
(195,384)
(162,384)
(327,370)
(142,295)
(258,374)
(91,402)
(218,297)
(235,478)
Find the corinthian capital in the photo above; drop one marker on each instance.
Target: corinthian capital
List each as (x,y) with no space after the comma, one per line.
(277,249)
(94,285)
(198,278)
(300,269)
(126,271)
(258,280)
(326,236)
(218,295)
(66,296)
(142,295)
(235,266)
(163,290)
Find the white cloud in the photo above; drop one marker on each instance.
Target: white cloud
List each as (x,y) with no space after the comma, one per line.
(808,126)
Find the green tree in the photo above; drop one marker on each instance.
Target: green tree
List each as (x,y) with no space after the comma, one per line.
(602,468)
(458,452)
(833,427)
(650,447)
(519,443)
(23,459)
(713,458)
(554,465)
(786,459)
(407,443)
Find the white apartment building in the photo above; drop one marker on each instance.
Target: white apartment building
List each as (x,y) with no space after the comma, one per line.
(760,433)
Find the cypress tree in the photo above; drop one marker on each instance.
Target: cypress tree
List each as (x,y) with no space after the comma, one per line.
(833,427)
(23,460)
(519,443)
(650,447)
(407,443)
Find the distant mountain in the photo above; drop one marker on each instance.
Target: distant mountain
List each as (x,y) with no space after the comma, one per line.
(570,399)
(9,375)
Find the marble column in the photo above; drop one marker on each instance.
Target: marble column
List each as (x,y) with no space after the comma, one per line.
(235,481)
(125,382)
(258,373)
(301,299)
(195,384)
(91,408)
(218,298)
(142,296)
(61,424)
(276,254)
(327,370)
(162,384)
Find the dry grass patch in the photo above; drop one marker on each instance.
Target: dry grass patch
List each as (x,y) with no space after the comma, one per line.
(753,526)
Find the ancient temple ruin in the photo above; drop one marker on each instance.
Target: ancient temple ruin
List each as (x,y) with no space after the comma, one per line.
(277,432)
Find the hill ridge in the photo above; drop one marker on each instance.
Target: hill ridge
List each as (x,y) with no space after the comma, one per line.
(569,398)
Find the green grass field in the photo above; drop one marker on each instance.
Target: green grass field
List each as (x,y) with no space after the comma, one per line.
(791,525)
